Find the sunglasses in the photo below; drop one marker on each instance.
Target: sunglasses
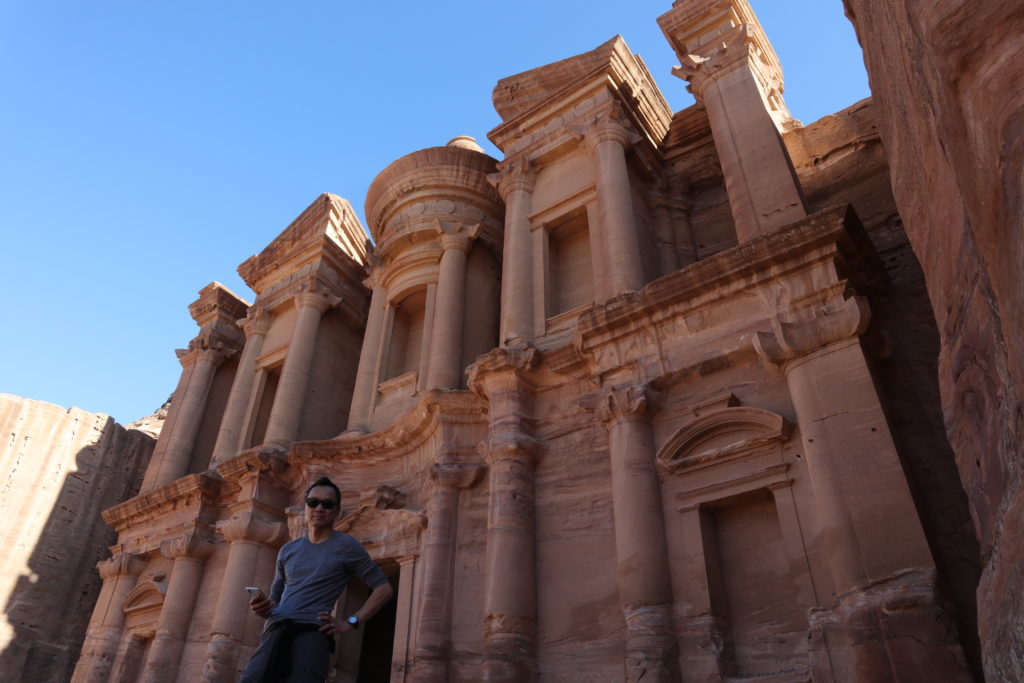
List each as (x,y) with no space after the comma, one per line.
(327,503)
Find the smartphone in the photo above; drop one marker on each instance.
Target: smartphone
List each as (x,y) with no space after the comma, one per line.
(253,591)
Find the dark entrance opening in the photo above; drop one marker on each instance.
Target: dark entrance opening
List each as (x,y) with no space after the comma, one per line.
(379,641)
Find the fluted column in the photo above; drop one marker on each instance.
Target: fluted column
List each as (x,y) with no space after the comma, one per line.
(190,554)
(173,451)
(645,586)
(120,573)
(256,326)
(247,534)
(433,639)
(445,369)
(734,72)
(365,388)
(515,183)
(286,413)
(608,138)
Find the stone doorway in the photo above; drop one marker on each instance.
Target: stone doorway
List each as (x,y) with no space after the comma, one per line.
(364,656)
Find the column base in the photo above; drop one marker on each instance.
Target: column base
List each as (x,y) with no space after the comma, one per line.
(508,653)
(221,659)
(651,645)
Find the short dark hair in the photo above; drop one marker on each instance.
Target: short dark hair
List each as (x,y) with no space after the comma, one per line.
(324,481)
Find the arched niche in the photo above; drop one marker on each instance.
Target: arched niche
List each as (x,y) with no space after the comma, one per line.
(143,604)
(723,435)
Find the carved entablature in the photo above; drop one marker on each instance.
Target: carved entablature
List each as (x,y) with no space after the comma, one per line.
(182,505)
(256,480)
(713,307)
(715,38)
(723,435)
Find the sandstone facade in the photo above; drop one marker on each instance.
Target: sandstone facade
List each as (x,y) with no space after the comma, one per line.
(947,78)
(60,468)
(653,397)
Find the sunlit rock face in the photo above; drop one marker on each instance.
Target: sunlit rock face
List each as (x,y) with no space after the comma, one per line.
(60,468)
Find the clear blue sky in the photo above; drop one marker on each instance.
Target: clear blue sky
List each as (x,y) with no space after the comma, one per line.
(148,148)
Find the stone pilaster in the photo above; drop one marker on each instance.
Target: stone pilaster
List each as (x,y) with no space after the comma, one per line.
(608,136)
(365,388)
(645,586)
(256,326)
(734,72)
(515,183)
(286,413)
(189,552)
(510,593)
(247,534)
(433,641)
(876,549)
(445,368)
(120,573)
(174,447)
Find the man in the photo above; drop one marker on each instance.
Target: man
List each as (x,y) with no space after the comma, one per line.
(312,571)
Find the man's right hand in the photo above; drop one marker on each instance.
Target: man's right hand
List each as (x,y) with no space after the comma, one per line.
(261,605)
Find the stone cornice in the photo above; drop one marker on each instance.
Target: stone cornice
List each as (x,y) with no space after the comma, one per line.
(217,302)
(197,491)
(821,257)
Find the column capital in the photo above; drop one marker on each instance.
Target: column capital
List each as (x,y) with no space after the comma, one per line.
(318,300)
(456,475)
(121,564)
(191,544)
(827,325)
(205,347)
(246,526)
(633,401)
(257,322)
(512,361)
(458,236)
(514,173)
(717,37)
(511,446)
(611,124)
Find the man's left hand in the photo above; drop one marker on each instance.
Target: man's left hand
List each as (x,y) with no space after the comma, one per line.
(332,625)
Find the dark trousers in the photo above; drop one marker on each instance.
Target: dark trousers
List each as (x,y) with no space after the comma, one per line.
(290,653)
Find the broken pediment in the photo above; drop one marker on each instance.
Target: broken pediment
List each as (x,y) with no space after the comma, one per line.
(328,222)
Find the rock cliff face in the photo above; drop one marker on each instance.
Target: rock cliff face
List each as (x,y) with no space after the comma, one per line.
(948,79)
(58,469)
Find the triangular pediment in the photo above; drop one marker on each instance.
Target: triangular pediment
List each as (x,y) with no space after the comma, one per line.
(518,94)
(328,221)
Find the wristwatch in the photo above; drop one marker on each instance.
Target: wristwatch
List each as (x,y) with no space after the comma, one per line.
(353,621)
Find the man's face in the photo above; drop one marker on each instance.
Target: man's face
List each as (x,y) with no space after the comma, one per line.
(319,517)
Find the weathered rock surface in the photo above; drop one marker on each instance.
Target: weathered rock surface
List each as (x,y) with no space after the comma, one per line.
(58,469)
(948,79)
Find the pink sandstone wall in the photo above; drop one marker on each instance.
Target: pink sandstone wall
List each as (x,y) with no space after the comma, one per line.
(948,79)
(59,469)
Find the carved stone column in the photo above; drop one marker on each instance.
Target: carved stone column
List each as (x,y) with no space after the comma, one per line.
(645,585)
(120,574)
(734,72)
(190,553)
(283,424)
(510,593)
(515,183)
(879,559)
(247,535)
(608,137)
(365,388)
(433,640)
(445,369)
(256,326)
(174,448)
